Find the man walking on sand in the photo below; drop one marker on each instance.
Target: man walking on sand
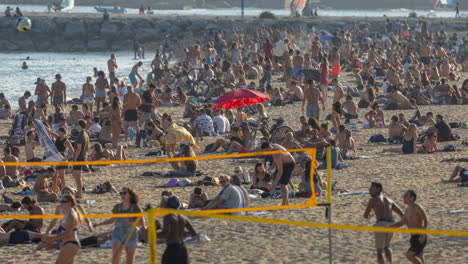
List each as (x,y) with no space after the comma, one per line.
(312,96)
(383,208)
(59,91)
(284,164)
(415,217)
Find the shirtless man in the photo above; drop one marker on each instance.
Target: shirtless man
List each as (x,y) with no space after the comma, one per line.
(415,217)
(316,49)
(131,103)
(22,102)
(294,92)
(101,85)
(30,146)
(351,109)
(298,64)
(284,164)
(173,230)
(112,67)
(425,53)
(11,171)
(395,130)
(42,91)
(338,90)
(383,208)
(312,96)
(393,77)
(134,74)
(41,187)
(34,225)
(59,91)
(156,66)
(397,97)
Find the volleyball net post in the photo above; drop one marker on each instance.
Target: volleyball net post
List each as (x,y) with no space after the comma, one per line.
(152,236)
(328,204)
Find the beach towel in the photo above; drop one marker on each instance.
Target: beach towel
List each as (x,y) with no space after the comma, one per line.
(51,153)
(354,193)
(171,183)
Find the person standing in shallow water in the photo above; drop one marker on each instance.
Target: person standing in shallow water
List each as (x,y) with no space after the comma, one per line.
(382,208)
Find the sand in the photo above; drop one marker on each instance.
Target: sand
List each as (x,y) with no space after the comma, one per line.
(245,242)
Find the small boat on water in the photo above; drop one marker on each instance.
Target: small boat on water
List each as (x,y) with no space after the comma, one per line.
(115,9)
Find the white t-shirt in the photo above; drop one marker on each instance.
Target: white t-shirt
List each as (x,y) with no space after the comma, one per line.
(220,124)
(280,47)
(227,129)
(95,128)
(122,92)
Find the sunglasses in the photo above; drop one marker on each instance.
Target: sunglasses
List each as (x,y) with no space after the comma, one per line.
(123,193)
(222,182)
(64,201)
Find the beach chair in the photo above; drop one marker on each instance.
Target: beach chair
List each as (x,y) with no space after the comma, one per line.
(17,135)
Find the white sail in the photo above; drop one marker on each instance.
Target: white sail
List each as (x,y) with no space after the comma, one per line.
(68,4)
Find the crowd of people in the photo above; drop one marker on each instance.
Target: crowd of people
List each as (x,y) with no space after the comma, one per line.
(396,69)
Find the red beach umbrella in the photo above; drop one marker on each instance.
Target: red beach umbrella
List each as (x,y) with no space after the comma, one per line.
(239,98)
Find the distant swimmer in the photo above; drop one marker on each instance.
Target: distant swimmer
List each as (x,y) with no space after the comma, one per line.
(25,66)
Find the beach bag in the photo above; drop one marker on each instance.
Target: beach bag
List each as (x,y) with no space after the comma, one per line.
(363,104)
(171,183)
(449,148)
(454,125)
(377,138)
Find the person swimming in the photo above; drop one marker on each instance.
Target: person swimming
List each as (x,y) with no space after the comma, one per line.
(24,66)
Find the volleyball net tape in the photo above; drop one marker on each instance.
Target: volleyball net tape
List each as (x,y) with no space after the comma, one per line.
(224,213)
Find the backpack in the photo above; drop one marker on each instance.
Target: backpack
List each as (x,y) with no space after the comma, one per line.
(449,148)
(376,138)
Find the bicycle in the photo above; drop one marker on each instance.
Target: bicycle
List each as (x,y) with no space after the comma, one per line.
(277,132)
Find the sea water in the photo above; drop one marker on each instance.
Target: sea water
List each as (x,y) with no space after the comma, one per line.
(256,11)
(74,68)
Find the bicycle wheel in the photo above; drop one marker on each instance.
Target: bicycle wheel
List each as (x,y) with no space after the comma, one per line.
(200,88)
(169,76)
(279,134)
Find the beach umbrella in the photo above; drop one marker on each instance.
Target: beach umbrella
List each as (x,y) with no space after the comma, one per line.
(239,98)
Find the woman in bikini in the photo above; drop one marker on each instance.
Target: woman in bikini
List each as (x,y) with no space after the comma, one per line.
(261,178)
(116,121)
(100,154)
(105,136)
(70,244)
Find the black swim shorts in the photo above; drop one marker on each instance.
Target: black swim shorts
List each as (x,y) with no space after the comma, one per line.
(287,170)
(79,167)
(464,175)
(19,237)
(415,245)
(131,115)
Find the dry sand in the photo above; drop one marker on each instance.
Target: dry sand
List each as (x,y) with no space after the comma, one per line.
(245,242)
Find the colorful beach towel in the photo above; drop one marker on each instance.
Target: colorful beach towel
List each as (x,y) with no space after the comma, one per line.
(50,151)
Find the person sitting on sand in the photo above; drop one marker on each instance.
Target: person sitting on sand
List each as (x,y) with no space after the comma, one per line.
(261,178)
(11,171)
(410,139)
(290,142)
(397,98)
(371,119)
(187,168)
(348,145)
(34,225)
(430,144)
(105,136)
(234,144)
(324,132)
(444,131)
(30,146)
(229,198)
(459,175)
(395,131)
(198,198)
(100,154)
(43,193)
(237,183)
(351,109)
